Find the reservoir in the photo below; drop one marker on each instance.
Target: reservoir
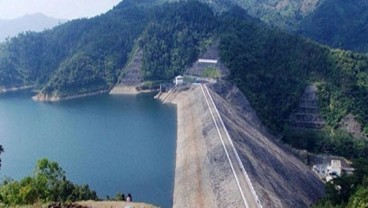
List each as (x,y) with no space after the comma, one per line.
(114,144)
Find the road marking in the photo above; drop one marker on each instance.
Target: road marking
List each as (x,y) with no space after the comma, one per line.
(227,154)
(236,152)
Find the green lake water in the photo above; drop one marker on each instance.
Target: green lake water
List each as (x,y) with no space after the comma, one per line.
(112,143)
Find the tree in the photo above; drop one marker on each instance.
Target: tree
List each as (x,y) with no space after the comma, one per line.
(48,175)
(359,199)
(48,184)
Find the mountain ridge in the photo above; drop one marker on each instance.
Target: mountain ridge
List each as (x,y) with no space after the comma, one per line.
(336,23)
(36,22)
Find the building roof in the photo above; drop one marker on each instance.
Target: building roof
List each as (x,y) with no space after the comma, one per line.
(335,163)
(210,61)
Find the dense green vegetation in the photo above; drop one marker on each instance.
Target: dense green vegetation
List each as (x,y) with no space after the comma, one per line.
(272,68)
(339,23)
(48,184)
(80,56)
(172,40)
(87,55)
(284,14)
(315,141)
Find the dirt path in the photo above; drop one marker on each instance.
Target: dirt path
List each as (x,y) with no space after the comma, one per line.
(114,204)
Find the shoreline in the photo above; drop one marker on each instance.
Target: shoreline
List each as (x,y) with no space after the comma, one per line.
(128,90)
(14,89)
(117,90)
(40,97)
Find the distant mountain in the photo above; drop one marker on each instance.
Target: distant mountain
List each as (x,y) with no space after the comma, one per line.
(34,22)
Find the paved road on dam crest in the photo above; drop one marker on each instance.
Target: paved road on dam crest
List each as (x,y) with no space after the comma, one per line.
(244,184)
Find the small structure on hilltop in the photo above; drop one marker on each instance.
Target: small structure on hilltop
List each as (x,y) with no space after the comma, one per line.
(207,61)
(179,80)
(210,59)
(336,168)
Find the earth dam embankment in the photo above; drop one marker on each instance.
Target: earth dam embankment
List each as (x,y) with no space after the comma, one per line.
(203,176)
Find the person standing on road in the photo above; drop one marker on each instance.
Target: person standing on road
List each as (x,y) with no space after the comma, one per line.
(129,198)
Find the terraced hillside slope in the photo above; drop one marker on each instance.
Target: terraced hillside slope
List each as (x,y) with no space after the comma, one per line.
(130,76)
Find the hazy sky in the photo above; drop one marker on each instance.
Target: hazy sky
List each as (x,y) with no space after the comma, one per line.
(66,9)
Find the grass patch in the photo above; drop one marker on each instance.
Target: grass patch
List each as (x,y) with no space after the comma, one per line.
(211,72)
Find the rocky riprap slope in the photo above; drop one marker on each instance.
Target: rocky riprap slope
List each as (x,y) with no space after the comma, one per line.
(279,178)
(203,176)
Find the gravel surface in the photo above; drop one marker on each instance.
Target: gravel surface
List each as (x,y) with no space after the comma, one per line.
(114,204)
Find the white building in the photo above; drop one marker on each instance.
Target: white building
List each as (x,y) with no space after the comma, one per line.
(179,80)
(208,61)
(334,168)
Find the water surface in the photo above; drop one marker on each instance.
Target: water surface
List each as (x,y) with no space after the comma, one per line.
(113,143)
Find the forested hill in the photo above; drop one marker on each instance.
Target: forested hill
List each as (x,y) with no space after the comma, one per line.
(270,66)
(79,56)
(337,23)
(87,55)
(285,14)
